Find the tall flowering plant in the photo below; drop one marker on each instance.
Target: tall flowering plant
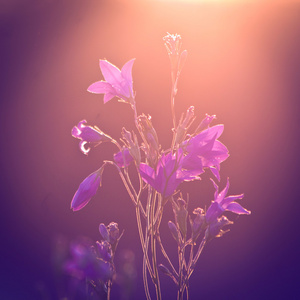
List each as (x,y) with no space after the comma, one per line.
(160,174)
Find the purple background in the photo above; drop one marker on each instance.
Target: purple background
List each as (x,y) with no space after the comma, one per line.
(243,65)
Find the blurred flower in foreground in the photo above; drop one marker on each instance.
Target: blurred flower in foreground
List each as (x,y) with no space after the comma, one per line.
(222,203)
(117,82)
(85,263)
(87,189)
(88,134)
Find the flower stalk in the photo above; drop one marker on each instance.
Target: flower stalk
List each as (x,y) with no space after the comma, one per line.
(160,174)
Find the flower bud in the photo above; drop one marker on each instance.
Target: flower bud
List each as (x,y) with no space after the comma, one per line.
(205,123)
(164,270)
(174,231)
(104,250)
(215,229)
(113,232)
(150,138)
(87,189)
(104,232)
(132,146)
(184,125)
(198,222)
(181,214)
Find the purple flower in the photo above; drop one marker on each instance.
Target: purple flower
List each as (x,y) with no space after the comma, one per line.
(87,189)
(168,174)
(222,203)
(123,158)
(88,134)
(117,82)
(104,250)
(85,263)
(206,147)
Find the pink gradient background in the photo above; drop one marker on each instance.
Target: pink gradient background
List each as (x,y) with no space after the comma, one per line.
(243,65)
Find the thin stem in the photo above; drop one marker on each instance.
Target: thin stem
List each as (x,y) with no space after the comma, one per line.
(153,251)
(109,284)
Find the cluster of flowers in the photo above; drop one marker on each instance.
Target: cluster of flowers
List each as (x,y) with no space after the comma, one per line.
(161,171)
(95,263)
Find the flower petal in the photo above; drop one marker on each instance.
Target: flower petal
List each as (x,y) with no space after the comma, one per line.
(237,208)
(100,87)
(123,158)
(126,73)
(147,174)
(108,97)
(110,72)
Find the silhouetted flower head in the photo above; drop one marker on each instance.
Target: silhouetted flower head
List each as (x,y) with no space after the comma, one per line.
(88,135)
(118,83)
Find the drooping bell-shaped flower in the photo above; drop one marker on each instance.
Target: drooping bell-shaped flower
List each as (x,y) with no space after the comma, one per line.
(118,83)
(88,135)
(222,203)
(87,189)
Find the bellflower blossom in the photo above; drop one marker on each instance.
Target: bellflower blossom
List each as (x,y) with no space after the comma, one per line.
(158,176)
(222,203)
(117,82)
(87,189)
(169,173)
(88,135)
(123,158)
(206,146)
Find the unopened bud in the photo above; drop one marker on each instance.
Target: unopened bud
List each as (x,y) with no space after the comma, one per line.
(150,138)
(104,232)
(205,123)
(181,214)
(132,145)
(104,250)
(184,125)
(174,231)
(113,232)
(198,222)
(164,270)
